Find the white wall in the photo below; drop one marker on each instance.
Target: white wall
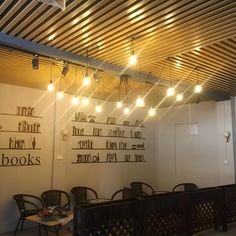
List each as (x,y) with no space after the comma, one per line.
(205,158)
(104,177)
(24,179)
(163,168)
(62,174)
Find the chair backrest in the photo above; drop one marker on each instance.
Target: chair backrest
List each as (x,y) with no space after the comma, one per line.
(26,201)
(139,187)
(81,193)
(57,198)
(126,193)
(186,187)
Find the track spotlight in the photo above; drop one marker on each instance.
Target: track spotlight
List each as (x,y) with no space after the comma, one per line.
(65,69)
(35,62)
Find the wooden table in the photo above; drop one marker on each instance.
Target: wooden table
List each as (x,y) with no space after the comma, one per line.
(55,224)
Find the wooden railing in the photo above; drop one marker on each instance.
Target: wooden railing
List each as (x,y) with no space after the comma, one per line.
(178,213)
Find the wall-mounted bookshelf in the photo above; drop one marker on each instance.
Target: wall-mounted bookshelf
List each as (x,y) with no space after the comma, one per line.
(9,114)
(105,136)
(111,162)
(127,149)
(104,123)
(16,131)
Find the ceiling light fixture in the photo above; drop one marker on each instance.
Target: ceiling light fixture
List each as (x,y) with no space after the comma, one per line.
(126,110)
(65,69)
(171,90)
(198,87)
(133,59)
(152,112)
(98,108)
(51,85)
(139,102)
(87,79)
(179,97)
(60,93)
(35,62)
(75,100)
(119,104)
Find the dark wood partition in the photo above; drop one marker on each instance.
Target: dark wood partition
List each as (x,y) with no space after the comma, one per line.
(169,214)
(229,214)
(206,207)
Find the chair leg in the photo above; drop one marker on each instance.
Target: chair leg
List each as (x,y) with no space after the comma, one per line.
(22,223)
(18,223)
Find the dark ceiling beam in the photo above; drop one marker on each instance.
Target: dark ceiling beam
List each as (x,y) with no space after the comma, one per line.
(50,52)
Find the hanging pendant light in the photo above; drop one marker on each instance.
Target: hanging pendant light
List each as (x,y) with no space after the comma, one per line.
(171,90)
(198,87)
(126,110)
(152,112)
(119,104)
(87,79)
(179,97)
(98,108)
(133,59)
(139,102)
(60,95)
(51,85)
(75,100)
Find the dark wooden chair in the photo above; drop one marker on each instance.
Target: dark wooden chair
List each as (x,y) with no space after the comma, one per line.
(144,189)
(28,205)
(56,198)
(185,187)
(81,194)
(125,193)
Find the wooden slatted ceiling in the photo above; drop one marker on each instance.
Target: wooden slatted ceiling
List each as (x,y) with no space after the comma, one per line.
(195,33)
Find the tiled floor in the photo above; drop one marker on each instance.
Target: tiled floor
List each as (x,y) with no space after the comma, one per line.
(64,232)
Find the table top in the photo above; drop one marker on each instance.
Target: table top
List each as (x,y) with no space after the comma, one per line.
(57,221)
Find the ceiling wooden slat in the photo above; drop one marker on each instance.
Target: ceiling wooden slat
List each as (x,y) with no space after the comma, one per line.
(190,32)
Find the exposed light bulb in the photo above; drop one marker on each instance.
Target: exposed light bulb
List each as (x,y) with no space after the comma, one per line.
(179,97)
(152,112)
(126,110)
(50,86)
(119,104)
(140,102)
(86,80)
(170,92)
(75,101)
(133,59)
(60,95)
(198,88)
(85,101)
(98,108)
